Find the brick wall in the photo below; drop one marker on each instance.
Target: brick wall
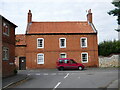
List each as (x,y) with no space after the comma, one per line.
(8,66)
(111,61)
(52,51)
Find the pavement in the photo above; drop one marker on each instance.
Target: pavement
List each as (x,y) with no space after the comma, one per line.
(7,82)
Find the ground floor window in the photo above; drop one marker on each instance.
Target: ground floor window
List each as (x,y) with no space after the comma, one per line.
(63,55)
(5,53)
(40,58)
(84,57)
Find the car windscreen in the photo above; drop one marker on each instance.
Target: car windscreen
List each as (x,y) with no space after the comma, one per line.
(72,61)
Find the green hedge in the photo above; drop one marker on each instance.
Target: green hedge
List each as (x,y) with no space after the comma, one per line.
(107,48)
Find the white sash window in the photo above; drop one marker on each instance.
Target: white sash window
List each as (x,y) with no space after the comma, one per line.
(40,58)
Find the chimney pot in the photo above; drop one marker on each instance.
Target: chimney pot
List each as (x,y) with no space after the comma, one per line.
(89,16)
(29,16)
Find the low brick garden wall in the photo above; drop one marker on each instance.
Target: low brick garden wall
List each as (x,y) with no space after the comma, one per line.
(111,61)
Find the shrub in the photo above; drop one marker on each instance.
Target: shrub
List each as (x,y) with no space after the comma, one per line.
(15,71)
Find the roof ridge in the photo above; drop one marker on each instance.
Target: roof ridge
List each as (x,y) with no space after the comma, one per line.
(59,22)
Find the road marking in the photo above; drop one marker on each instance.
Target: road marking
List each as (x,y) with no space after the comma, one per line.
(28,74)
(37,73)
(66,76)
(45,74)
(79,77)
(5,87)
(57,85)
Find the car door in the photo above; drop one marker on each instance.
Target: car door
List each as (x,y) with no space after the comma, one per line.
(66,64)
(72,64)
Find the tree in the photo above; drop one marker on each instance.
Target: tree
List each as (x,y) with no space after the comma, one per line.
(107,48)
(116,11)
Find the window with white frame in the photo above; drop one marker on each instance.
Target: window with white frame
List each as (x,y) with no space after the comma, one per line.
(62,42)
(40,58)
(63,55)
(5,29)
(84,57)
(83,42)
(40,43)
(5,53)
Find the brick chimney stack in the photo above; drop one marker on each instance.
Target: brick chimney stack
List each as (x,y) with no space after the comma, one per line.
(89,16)
(29,16)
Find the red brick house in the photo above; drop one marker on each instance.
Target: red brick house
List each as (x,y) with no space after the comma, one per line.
(47,41)
(8,47)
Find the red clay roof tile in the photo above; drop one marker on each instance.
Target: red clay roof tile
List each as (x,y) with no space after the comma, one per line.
(60,27)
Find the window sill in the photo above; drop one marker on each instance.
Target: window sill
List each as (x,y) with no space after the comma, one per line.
(5,60)
(62,47)
(6,34)
(40,47)
(84,62)
(84,47)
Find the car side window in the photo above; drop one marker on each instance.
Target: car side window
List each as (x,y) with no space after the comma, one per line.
(66,61)
(60,61)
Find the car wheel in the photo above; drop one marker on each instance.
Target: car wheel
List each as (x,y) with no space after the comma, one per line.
(80,68)
(61,68)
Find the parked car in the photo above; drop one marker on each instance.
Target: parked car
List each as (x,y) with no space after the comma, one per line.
(67,63)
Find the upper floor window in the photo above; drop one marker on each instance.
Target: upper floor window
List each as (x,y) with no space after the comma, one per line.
(5,53)
(83,42)
(62,42)
(5,29)
(40,43)
(40,58)
(84,57)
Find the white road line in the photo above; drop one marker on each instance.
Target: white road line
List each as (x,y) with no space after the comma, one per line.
(28,74)
(66,76)
(57,85)
(7,85)
(37,74)
(45,74)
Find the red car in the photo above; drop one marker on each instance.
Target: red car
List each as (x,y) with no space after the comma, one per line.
(67,63)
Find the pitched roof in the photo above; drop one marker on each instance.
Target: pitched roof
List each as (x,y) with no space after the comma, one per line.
(8,21)
(60,27)
(20,39)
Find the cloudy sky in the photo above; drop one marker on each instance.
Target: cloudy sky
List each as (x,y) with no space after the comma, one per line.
(61,10)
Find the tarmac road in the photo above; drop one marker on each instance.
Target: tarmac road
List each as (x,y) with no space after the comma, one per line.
(54,79)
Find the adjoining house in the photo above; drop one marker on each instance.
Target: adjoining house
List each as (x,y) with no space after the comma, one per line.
(20,51)
(45,42)
(8,47)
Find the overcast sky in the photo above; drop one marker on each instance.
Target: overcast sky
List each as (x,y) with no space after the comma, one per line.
(61,10)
